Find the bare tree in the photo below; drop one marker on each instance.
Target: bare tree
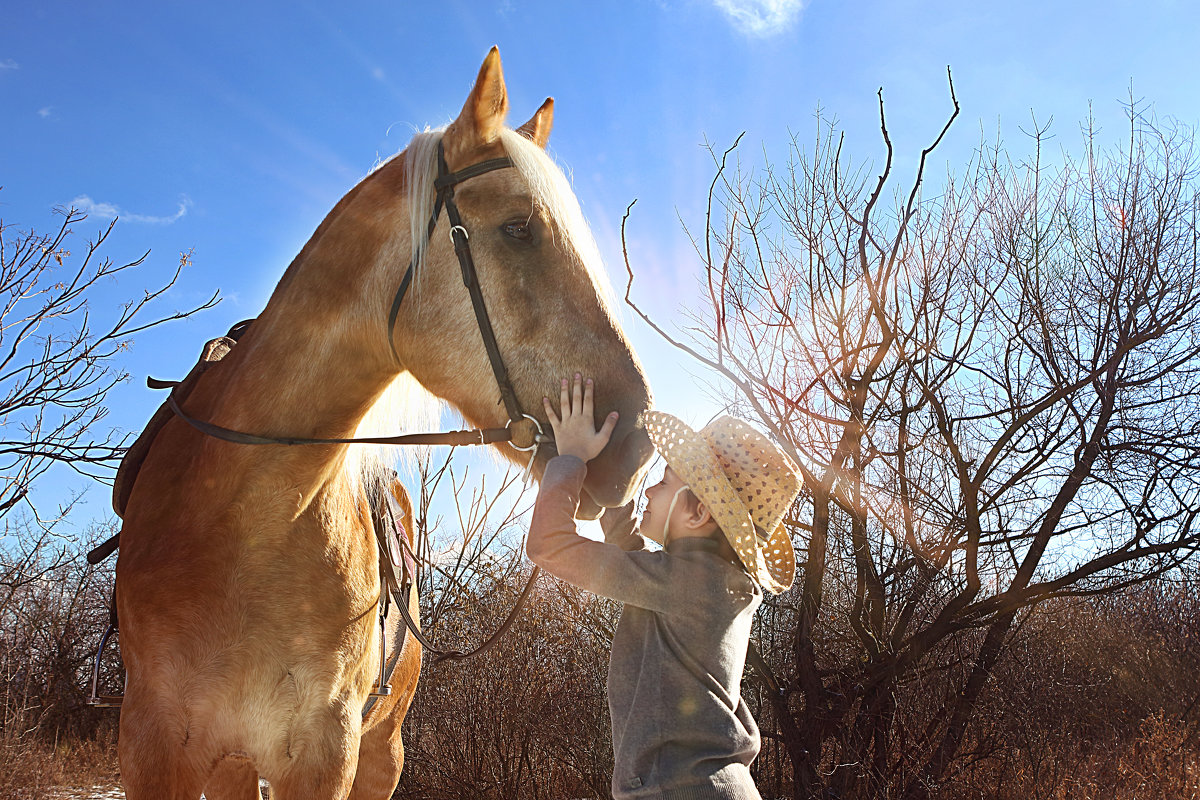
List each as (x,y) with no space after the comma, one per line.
(468,560)
(59,348)
(53,608)
(57,364)
(993,392)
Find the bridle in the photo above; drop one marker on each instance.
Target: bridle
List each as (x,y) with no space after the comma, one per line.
(523,432)
(444,186)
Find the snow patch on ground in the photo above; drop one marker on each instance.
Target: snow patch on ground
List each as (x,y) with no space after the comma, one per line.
(106,793)
(94,793)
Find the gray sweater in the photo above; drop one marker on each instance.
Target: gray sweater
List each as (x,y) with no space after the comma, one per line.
(681,730)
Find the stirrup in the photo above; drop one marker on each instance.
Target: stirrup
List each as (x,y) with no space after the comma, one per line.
(382,688)
(94,698)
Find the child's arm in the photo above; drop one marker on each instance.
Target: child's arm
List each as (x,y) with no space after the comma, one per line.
(575,434)
(620,527)
(644,579)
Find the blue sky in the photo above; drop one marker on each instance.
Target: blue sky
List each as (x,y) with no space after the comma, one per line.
(230,129)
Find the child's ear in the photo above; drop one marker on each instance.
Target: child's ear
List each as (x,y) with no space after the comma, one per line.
(700,517)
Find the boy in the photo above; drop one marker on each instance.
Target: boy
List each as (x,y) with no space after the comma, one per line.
(680,728)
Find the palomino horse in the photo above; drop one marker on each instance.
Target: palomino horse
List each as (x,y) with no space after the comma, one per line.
(247,580)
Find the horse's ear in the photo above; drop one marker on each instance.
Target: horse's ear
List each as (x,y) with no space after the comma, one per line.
(483,114)
(537,130)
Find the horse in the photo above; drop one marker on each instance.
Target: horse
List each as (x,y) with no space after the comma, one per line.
(248,577)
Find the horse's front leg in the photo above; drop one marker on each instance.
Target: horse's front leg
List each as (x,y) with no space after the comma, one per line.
(321,755)
(163,752)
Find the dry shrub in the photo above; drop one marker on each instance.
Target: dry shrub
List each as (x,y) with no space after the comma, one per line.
(1160,762)
(1096,698)
(53,608)
(1094,695)
(527,719)
(1093,701)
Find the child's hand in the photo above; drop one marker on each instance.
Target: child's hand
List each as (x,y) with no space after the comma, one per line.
(575,433)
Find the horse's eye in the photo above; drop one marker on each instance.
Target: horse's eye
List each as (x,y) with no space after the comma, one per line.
(518,230)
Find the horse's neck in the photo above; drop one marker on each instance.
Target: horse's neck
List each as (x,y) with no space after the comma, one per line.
(308,384)
(317,358)
(305,368)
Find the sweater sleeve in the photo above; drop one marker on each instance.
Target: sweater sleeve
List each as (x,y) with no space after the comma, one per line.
(650,580)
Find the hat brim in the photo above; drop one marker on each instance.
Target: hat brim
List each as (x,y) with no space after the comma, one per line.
(692,459)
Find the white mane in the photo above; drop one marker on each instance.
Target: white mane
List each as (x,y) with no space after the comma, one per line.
(403,407)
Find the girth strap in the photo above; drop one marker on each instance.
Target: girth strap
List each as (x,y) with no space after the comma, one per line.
(397,576)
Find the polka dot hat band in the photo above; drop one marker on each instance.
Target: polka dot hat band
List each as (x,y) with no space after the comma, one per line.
(744,481)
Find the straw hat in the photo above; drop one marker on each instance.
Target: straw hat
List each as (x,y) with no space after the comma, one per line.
(745,482)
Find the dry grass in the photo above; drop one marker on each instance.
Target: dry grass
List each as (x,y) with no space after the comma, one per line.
(1161,763)
(33,769)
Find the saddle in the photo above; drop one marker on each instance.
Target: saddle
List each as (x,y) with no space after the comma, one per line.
(131,464)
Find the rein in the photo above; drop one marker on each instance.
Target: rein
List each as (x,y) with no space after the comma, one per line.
(397,588)
(453,438)
(448,654)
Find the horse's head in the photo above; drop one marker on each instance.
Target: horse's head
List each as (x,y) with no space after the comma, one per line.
(541,279)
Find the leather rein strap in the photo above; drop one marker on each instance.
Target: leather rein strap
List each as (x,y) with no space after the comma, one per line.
(449,654)
(453,438)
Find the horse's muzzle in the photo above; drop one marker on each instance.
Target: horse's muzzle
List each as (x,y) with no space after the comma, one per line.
(613,477)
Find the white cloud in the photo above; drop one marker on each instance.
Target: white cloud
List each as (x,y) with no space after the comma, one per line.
(90,206)
(8,63)
(761,17)
(110,211)
(377,73)
(44,112)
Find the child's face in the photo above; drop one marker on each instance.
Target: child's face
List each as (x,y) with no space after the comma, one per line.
(655,524)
